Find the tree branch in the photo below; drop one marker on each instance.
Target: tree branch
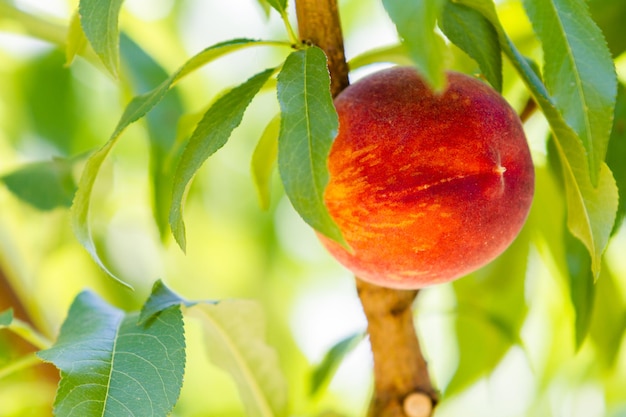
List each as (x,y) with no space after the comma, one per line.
(402,384)
(319,24)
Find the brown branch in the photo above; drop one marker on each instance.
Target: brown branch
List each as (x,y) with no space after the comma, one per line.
(319,24)
(402,386)
(528,110)
(17,345)
(9,299)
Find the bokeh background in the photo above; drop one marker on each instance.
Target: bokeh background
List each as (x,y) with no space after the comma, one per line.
(500,342)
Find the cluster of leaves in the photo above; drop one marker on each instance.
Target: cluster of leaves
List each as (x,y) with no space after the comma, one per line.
(308,124)
(578,100)
(115,363)
(577,92)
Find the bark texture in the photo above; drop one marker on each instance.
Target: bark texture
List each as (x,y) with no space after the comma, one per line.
(319,24)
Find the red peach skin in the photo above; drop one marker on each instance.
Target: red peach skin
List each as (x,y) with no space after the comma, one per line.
(425,188)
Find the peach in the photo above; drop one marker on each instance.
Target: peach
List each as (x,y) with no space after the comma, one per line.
(425,187)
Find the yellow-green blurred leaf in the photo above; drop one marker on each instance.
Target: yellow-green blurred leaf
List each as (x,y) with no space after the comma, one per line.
(44,185)
(415,21)
(264,161)
(76,40)
(235,341)
(99,19)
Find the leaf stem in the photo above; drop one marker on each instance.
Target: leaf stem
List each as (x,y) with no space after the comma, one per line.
(44,28)
(293,38)
(24,362)
(47,29)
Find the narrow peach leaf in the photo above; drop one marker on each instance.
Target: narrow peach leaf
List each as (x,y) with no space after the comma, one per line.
(211,133)
(307,129)
(474,34)
(579,73)
(76,40)
(616,153)
(99,19)
(279,5)
(325,370)
(415,21)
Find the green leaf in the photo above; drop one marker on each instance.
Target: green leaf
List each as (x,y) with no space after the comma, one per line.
(608,324)
(491,312)
(616,154)
(136,109)
(475,35)
(145,73)
(279,5)
(6,318)
(581,284)
(307,129)
(235,341)
(99,19)
(76,40)
(610,16)
(44,185)
(161,298)
(415,21)
(395,54)
(591,210)
(80,206)
(264,160)
(142,104)
(111,366)
(579,72)
(210,135)
(324,372)
(53,107)
(265,7)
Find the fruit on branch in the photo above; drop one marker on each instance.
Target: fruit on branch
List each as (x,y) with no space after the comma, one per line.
(426,187)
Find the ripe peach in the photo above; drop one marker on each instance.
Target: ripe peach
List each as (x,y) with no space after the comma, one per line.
(425,187)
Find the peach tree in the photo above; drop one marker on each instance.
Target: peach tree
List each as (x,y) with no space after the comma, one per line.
(411,181)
